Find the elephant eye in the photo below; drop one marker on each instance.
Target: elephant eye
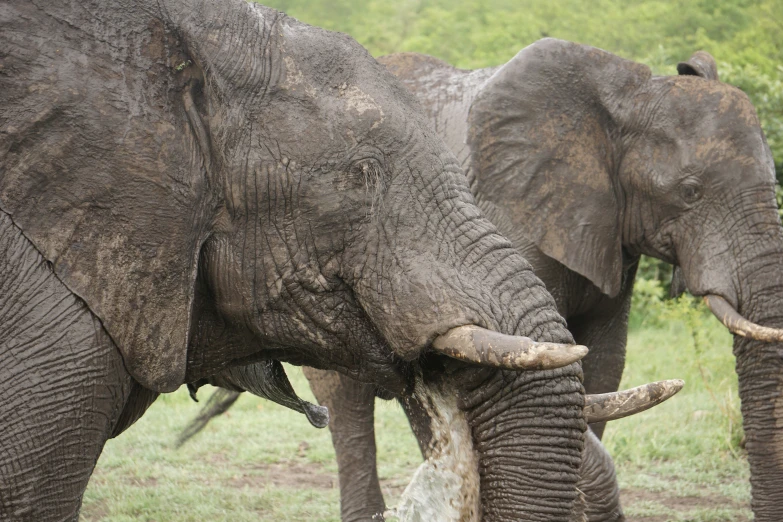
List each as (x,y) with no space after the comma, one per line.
(691,190)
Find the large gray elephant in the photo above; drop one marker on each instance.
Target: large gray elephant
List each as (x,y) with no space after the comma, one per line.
(586,161)
(191,186)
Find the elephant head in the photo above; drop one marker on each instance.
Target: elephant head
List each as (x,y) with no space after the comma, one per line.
(674,167)
(221,184)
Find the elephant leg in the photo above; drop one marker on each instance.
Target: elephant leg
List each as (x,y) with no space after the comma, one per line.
(599,500)
(605,332)
(351,420)
(63,386)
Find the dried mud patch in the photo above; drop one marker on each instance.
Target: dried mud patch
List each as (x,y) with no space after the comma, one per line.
(304,475)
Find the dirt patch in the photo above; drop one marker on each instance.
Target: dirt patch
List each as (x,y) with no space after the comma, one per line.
(676,504)
(147,482)
(304,475)
(218,458)
(285,475)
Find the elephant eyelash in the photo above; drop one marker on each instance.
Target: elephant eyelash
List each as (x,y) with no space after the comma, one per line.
(373,176)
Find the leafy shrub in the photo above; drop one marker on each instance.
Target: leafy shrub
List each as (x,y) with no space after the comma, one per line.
(779,194)
(647,303)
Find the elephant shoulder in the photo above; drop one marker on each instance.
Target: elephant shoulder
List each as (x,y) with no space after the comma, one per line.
(422,73)
(413,65)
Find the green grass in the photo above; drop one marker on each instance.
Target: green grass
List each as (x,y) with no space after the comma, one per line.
(237,468)
(682,460)
(679,461)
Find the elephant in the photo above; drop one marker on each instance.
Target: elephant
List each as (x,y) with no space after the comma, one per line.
(189,188)
(586,161)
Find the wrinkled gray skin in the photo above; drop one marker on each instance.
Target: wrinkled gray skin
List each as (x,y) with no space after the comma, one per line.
(186,186)
(586,161)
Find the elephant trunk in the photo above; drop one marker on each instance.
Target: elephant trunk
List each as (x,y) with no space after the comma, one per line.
(518,434)
(527,427)
(760,370)
(738,268)
(599,499)
(528,432)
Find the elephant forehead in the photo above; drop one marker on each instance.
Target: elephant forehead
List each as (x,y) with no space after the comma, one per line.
(360,102)
(352,96)
(732,148)
(698,100)
(294,79)
(711,149)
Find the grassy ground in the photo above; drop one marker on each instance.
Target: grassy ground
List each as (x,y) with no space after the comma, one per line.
(679,462)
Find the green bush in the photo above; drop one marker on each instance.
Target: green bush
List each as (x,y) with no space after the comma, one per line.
(779,194)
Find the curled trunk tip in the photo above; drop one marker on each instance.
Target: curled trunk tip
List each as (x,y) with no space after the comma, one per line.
(738,325)
(478,345)
(612,406)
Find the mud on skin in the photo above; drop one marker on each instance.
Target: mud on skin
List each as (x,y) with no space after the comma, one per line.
(206,184)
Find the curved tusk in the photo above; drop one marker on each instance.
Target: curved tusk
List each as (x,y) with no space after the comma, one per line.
(738,325)
(481,346)
(612,406)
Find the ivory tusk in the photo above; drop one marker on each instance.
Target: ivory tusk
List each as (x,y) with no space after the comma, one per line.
(481,346)
(612,406)
(737,324)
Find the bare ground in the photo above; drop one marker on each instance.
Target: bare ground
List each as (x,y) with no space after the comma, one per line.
(297,475)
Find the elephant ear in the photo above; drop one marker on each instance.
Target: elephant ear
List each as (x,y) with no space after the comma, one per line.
(102,173)
(701,63)
(541,134)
